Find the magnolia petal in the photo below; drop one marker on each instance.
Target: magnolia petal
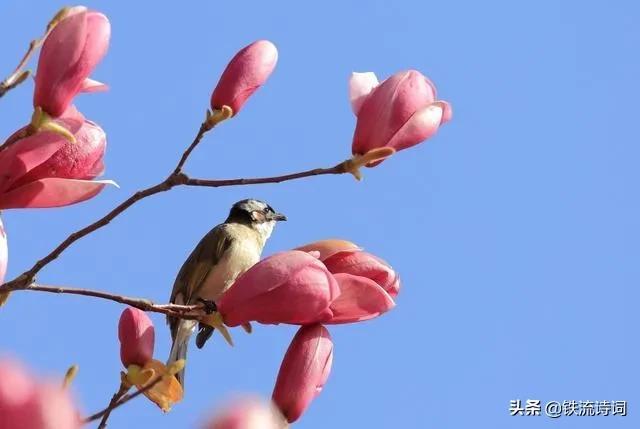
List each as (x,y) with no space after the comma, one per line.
(329,247)
(304,371)
(90,85)
(447,111)
(365,265)
(360,86)
(422,125)
(4,255)
(52,192)
(26,154)
(360,299)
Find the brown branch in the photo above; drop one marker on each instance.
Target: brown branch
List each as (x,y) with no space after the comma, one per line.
(122,390)
(338,169)
(18,76)
(192,312)
(183,159)
(177,178)
(123,400)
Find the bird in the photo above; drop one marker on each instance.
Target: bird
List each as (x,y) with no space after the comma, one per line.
(224,253)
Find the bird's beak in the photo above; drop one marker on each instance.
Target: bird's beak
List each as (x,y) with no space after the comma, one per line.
(278,217)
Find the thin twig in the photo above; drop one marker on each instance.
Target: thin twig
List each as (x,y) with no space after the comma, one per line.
(177,178)
(122,390)
(18,76)
(124,400)
(192,312)
(338,169)
(174,179)
(201,132)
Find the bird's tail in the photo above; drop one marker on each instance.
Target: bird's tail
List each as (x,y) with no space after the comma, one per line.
(180,345)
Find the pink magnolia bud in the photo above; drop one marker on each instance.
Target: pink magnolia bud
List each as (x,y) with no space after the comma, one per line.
(399,113)
(367,283)
(72,50)
(4,252)
(27,404)
(248,70)
(247,413)
(46,170)
(137,337)
(304,371)
(288,287)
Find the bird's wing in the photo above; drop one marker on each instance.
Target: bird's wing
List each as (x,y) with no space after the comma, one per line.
(195,269)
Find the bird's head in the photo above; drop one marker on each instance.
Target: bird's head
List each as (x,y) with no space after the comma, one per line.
(256,214)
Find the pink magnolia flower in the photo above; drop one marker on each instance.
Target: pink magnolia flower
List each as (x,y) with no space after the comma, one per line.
(400,112)
(137,337)
(46,170)
(304,371)
(247,413)
(288,287)
(4,253)
(71,51)
(248,70)
(28,404)
(367,283)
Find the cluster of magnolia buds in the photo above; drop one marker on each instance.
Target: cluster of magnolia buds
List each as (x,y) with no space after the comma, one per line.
(322,283)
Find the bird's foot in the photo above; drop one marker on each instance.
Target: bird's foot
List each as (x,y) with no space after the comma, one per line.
(209,306)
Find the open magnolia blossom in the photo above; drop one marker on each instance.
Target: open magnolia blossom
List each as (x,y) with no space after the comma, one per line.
(247,413)
(47,170)
(288,287)
(27,403)
(137,337)
(247,71)
(71,51)
(367,283)
(304,371)
(330,281)
(400,112)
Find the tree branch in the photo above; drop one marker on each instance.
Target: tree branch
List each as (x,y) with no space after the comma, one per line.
(176,178)
(122,390)
(18,76)
(126,398)
(338,169)
(192,312)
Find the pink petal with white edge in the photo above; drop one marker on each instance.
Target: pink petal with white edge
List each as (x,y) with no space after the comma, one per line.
(329,247)
(90,85)
(423,124)
(360,299)
(52,192)
(360,85)
(447,111)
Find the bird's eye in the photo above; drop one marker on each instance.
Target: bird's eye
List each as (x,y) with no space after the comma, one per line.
(269,209)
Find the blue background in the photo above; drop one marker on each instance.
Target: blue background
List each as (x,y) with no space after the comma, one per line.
(515,229)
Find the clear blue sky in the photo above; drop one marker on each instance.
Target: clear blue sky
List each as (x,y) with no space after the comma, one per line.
(515,229)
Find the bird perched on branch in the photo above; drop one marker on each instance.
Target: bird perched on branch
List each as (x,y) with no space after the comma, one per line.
(227,251)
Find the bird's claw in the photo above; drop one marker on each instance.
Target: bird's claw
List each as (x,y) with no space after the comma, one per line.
(209,306)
